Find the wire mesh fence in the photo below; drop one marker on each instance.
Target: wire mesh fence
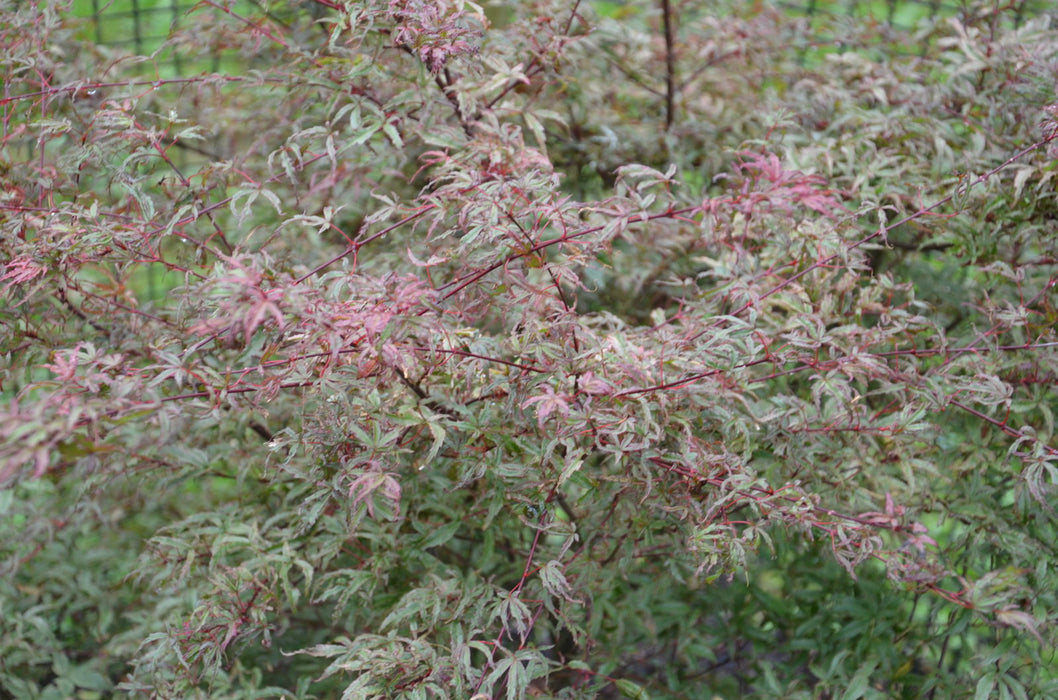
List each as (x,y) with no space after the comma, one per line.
(141,27)
(146,28)
(138,25)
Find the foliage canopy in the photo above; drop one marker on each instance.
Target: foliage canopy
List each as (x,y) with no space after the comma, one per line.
(551,348)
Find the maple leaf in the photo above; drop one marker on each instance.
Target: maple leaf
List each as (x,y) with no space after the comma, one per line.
(547,403)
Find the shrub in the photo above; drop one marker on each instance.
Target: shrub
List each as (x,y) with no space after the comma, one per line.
(554,348)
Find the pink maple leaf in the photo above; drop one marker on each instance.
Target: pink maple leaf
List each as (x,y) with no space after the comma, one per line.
(548,402)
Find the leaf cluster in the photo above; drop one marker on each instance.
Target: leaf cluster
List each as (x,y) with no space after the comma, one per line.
(543,349)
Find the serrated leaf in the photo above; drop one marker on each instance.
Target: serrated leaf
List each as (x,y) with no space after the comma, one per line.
(438,432)
(984,688)
(859,683)
(441,535)
(393,134)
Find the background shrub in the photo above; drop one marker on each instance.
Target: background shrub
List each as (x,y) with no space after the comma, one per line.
(567,349)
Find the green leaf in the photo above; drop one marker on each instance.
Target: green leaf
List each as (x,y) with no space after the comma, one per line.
(860,682)
(441,535)
(630,689)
